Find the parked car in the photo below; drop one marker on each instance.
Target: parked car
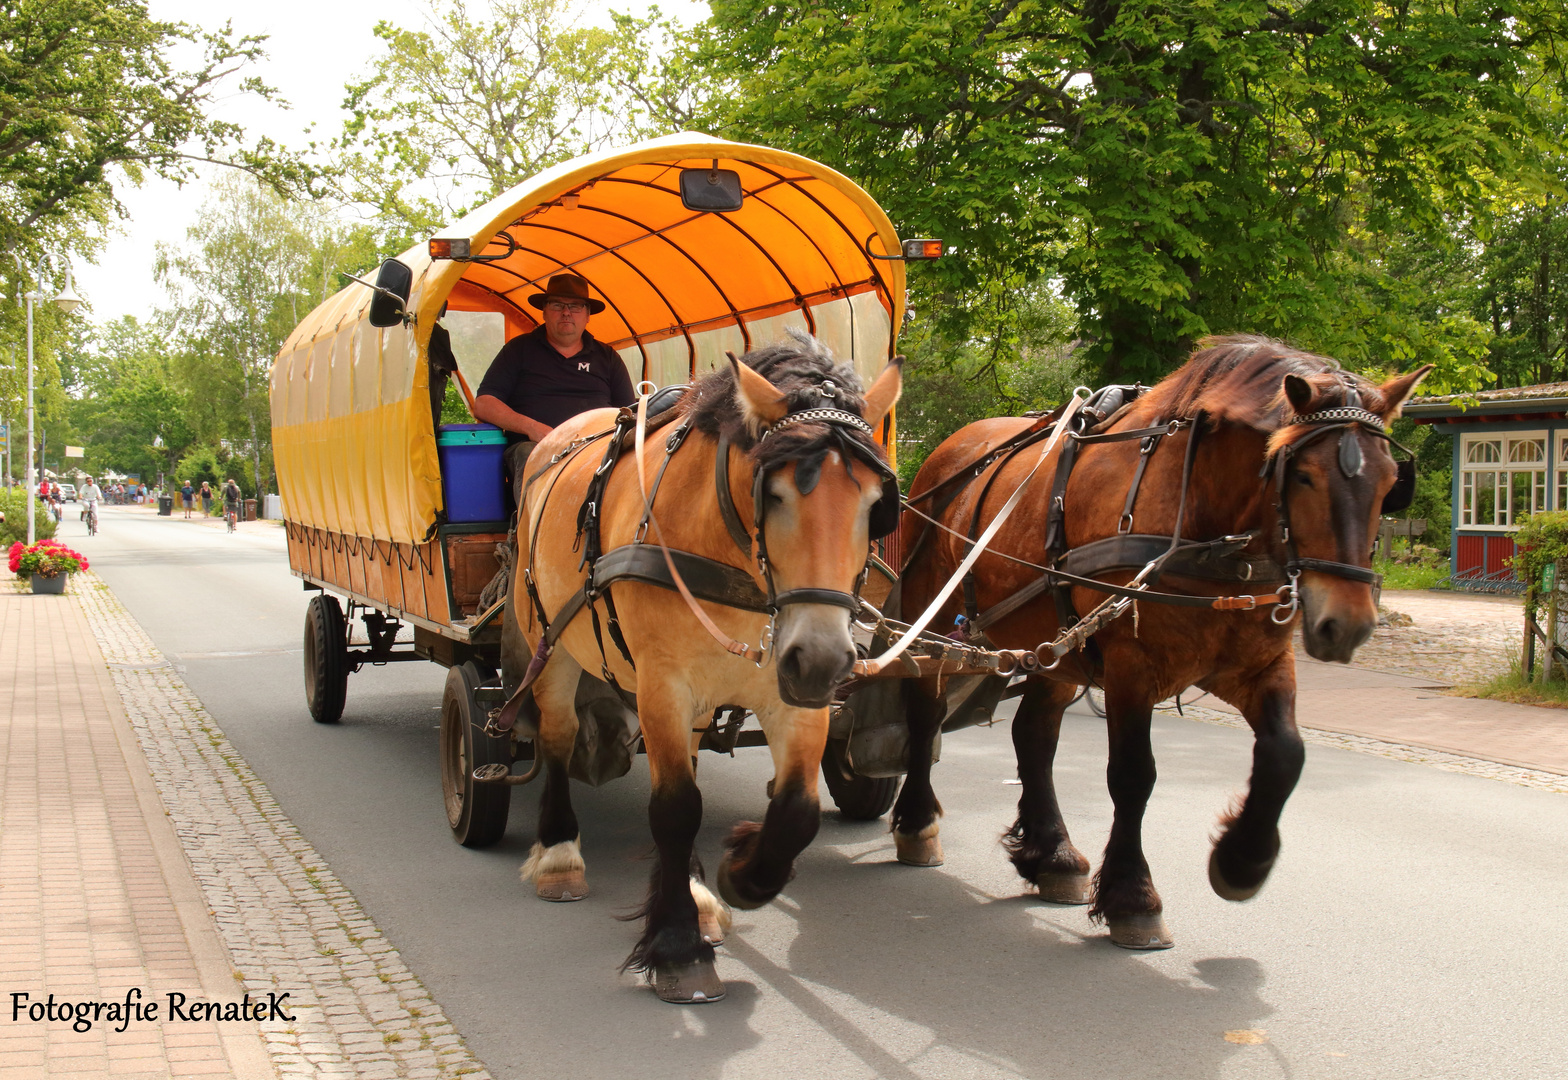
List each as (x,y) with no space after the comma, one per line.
(68,492)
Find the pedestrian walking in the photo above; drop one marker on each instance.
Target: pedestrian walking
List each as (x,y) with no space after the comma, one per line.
(188,497)
(206,499)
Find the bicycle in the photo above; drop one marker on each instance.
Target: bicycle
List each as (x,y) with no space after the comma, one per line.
(92,519)
(231,515)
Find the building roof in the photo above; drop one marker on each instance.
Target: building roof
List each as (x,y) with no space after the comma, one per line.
(1506,402)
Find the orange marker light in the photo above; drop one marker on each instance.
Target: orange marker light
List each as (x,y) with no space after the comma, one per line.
(449,247)
(923,249)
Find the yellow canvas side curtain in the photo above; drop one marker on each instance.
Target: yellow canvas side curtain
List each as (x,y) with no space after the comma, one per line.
(697,246)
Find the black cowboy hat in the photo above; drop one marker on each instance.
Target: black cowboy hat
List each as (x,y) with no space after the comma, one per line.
(567,287)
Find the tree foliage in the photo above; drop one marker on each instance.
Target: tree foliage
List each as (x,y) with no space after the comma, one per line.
(1183,168)
(91,89)
(255,265)
(467,107)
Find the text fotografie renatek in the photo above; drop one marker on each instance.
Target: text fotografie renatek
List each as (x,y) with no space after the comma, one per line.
(137,1007)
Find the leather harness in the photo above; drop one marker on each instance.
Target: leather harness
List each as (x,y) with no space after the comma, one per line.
(706,579)
(1218,560)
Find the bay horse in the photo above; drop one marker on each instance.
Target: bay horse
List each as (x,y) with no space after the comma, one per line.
(1262,498)
(782,439)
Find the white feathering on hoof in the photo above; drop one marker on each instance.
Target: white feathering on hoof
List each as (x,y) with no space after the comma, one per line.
(563,858)
(714,917)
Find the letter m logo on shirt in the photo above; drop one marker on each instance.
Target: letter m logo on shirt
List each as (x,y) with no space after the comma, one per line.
(583,365)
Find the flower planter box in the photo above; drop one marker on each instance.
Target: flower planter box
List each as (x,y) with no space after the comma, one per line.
(54,584)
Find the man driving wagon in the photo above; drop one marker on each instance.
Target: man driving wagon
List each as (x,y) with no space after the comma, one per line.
(543,378)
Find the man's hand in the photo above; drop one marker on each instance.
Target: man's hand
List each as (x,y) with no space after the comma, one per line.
(489,409)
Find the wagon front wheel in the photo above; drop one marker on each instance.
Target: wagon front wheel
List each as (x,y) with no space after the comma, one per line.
(326,659)
(858,798)
(476,812)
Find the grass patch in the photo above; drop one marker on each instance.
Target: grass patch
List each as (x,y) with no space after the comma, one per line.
(1399,575)
(1514,688)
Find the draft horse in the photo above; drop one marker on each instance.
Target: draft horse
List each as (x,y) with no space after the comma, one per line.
(782,440)
(1255,472)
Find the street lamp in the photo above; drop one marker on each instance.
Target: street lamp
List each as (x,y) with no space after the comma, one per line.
(67,302)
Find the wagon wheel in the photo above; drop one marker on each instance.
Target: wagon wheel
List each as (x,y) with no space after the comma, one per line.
(326,659)
(476,812)
(858,798)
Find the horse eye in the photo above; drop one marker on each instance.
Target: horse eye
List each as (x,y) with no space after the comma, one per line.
(1303,479)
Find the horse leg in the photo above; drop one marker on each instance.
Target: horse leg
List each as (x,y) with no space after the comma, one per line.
(555,864)
(673,950)
(760,859)
(1124,895)
(1249,843)
(915,826)
(1038,843)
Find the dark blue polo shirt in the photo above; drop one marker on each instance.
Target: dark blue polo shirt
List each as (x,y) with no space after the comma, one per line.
(535,380)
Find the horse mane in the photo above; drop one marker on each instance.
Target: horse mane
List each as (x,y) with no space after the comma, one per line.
(798,368)
(1239,378)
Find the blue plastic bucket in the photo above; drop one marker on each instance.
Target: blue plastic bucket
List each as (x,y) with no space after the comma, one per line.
(473,471)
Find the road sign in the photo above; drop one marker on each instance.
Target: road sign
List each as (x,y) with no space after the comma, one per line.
(75,451)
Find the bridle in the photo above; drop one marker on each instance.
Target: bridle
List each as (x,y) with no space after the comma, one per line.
(1279,466)
(753,543)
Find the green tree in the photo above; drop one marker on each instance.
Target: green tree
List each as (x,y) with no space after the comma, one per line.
(467,107)
(124,401)
(255,266)
(91,91)
(1198,165)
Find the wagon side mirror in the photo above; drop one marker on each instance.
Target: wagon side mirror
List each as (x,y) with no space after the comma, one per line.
(713,190)
(393,282)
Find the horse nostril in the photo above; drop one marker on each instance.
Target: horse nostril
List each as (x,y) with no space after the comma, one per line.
(1328,630)
(789,664)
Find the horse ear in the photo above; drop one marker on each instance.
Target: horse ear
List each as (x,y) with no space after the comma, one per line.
(1399,388)
(760,401)
(884,393)
(1299,393)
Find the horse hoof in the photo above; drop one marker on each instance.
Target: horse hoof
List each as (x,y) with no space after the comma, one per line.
(1225,890)
(562,887)
(727,891)
(687,984)
(1061,887)
(922,849)
(1145,931)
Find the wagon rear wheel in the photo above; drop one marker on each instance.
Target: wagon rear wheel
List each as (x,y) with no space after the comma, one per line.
(326,659)
(859,798)
(476,812)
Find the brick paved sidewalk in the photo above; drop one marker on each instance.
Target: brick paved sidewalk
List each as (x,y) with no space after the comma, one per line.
(137,849)
(95,895)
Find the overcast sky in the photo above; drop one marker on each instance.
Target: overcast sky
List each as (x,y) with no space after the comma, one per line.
(314,48)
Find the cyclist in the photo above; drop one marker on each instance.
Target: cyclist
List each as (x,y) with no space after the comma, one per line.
(231,503)
(91,494)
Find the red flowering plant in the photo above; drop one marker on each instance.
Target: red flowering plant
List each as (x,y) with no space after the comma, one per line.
(46,558)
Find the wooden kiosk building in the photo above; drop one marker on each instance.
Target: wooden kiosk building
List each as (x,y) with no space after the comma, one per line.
(1510,457)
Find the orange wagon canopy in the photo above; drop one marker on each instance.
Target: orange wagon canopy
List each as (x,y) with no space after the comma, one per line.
(681,287)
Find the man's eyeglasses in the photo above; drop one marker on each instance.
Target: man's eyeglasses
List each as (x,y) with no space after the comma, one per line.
(561,307)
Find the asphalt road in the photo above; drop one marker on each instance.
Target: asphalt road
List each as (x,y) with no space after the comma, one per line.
(1416,925)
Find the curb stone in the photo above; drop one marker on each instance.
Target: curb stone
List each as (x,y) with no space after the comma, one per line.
(289,924)
(1417,755)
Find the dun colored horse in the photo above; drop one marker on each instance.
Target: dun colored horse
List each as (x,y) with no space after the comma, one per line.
(783,441)
(1272,475)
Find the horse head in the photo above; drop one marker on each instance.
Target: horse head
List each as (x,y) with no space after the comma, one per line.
(821,492)
(1334,472)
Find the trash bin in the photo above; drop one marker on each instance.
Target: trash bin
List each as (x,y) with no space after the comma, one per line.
(165,505)
(250,509)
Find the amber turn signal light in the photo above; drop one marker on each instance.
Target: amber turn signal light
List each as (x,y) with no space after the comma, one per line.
(456,247)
